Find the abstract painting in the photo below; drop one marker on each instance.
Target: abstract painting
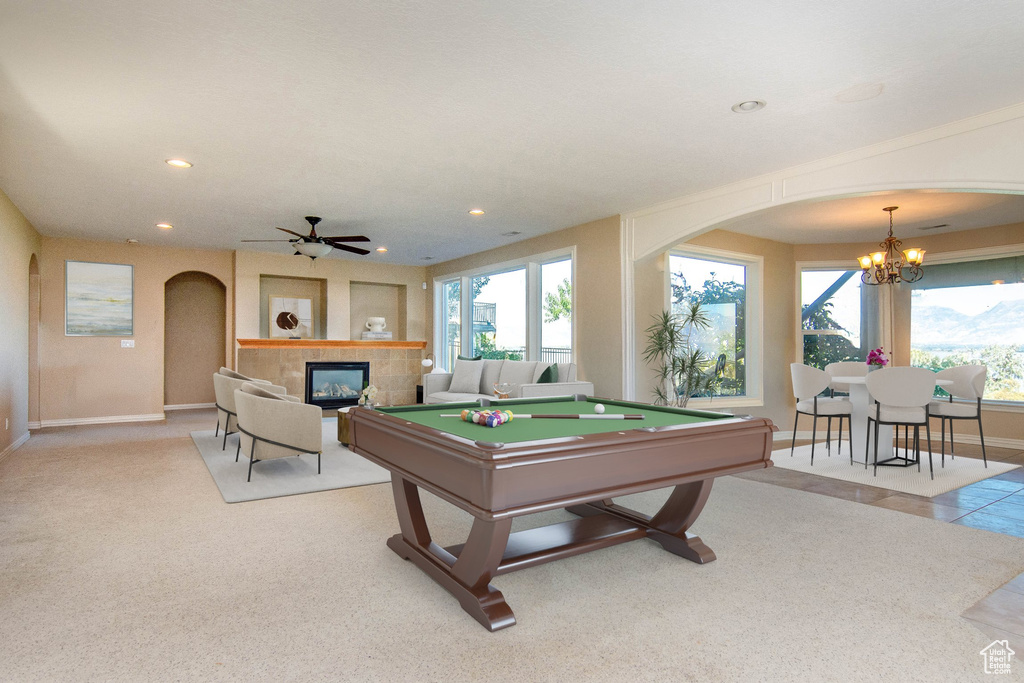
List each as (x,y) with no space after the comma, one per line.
(291,317)
(98,299)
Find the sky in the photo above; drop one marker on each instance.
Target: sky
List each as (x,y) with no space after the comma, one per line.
(508,291)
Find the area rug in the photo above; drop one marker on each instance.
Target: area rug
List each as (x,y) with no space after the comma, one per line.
(340,468)
(957,473)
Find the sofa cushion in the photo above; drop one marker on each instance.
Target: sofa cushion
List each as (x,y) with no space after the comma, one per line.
(492,370)
(548,375)
(455,397)
(466,377)
(517,373)
(256,390)
(566,372)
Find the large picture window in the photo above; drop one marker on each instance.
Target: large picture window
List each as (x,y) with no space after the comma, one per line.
(972,313)
(518,311)
(728,289)
(831,317)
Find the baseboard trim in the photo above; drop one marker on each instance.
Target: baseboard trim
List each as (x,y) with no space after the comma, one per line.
(14,446)
(994,441)
(110,419)
(190,406)
(34,424)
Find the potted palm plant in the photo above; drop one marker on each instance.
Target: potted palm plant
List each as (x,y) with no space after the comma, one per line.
(683,369)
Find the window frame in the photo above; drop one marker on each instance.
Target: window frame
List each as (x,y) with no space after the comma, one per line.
(754,320)
(534,299)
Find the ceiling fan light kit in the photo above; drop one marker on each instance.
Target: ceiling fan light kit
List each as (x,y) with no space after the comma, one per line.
(314,246)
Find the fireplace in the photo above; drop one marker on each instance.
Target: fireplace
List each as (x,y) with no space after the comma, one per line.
(334,385)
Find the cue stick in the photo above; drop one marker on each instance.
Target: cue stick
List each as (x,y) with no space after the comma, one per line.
(516,415)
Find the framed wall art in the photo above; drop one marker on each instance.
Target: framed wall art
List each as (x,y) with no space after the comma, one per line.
(98,299)
(291,317)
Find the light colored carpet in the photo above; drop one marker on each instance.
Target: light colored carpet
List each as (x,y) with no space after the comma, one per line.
(958,472)
(119,562)
(340,468)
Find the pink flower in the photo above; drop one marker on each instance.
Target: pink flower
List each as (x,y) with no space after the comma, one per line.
(877,357)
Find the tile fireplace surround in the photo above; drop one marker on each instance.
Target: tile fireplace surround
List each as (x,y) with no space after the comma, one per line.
(394,366)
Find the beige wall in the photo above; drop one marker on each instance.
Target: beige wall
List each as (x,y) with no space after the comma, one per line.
(597,313)
(93,377)
(18,242)
(778,316)
(339,274)
(314,289)
(195,327)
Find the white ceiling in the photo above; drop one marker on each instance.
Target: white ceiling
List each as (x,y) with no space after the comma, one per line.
(392,119)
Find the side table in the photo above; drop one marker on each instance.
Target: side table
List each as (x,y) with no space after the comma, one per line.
(343,425)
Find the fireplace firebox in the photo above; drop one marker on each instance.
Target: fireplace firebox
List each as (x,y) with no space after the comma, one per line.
(335,385)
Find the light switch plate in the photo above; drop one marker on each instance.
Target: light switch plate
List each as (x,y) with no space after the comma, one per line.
(127,343)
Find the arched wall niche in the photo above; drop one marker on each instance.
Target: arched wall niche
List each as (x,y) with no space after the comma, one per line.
(195,325)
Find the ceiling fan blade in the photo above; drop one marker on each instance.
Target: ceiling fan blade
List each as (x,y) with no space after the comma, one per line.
(354,250)
(267,240)
(348,238)
(292,232)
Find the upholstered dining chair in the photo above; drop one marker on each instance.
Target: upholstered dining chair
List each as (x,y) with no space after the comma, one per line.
(968,383)
(224,385)
(808,382)
(901,397)
(275,426)
(846,368)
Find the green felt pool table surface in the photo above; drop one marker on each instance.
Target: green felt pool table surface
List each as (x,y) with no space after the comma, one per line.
(519,430)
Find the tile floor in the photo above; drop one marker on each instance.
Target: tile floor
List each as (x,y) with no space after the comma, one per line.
(995,504)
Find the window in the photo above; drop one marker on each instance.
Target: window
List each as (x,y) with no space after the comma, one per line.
(520,311)
(831,317)
(972,312)
(556,319)
(499,315)
(728,288)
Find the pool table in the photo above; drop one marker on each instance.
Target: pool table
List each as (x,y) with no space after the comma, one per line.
(532,465)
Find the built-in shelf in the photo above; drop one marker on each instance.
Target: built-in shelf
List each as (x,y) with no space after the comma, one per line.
(327,344)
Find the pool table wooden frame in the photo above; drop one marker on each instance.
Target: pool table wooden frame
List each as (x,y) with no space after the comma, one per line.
(496,482)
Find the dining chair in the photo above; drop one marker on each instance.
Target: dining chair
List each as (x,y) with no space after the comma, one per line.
(901,397)
(845,368)
(808,382)
(968,383)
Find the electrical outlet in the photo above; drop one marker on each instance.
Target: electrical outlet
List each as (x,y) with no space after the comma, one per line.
(127,343)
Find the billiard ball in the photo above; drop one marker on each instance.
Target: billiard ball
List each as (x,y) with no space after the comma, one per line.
(598,408)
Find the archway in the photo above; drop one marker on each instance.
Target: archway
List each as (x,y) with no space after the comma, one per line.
(33,342)
(194,338)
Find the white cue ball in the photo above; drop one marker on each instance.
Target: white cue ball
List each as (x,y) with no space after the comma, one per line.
(598,408)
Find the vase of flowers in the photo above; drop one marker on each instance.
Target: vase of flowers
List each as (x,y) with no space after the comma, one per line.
(877,359)
(368,397)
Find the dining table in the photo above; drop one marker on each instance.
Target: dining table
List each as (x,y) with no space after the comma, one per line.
(862,402)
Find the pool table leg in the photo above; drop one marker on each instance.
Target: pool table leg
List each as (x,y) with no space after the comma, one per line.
(669,526)
(468,576)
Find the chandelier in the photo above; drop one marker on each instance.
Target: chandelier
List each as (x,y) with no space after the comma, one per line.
(891,265)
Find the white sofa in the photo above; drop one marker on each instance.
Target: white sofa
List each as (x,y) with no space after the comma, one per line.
(523,375)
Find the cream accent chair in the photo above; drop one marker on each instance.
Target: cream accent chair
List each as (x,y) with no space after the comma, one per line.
(969,383)
(275,426)
(808,382)
(901,397)
(225,382)
(846,368)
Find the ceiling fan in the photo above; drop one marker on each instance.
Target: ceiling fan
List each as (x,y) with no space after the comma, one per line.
(315,246)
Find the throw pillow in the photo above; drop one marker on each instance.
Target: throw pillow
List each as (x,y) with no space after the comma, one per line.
(256,390)
(549,376)
(517,373)
(461,357)
(466,377)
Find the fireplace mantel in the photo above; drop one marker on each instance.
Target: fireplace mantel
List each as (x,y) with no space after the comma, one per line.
(327,344)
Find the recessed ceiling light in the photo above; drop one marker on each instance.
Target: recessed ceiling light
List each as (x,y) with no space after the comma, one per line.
(382,250)
(131,240)
(749,106)
(476,212)
(164,226)
(511,233)
(178,163)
